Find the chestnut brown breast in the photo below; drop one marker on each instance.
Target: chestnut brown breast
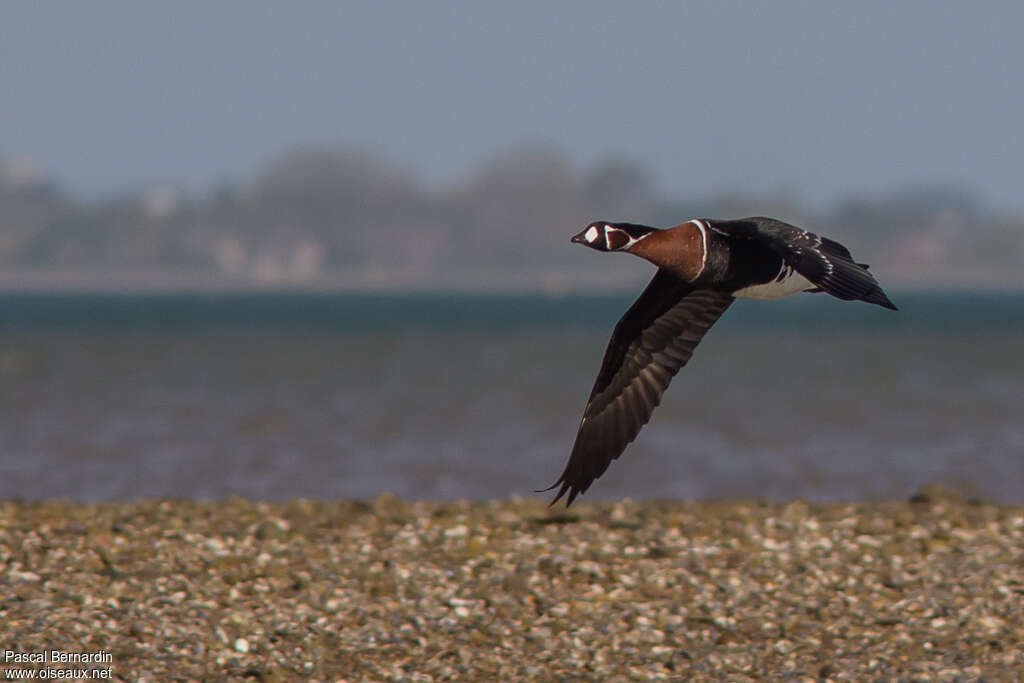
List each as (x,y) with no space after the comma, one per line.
(680,250)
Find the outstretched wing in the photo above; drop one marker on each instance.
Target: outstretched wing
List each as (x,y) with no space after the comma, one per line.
(652,341)
(824,262)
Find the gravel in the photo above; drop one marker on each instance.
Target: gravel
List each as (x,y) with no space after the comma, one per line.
(931,589)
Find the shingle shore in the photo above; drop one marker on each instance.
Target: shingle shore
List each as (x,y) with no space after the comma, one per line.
(390,590)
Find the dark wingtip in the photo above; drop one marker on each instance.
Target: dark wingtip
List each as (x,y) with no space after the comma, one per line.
(877,296)
(573,492)
(886,303)
(561,492)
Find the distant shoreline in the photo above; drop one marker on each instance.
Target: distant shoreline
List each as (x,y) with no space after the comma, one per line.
(385,281)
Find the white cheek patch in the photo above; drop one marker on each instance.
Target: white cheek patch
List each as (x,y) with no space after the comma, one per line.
(591,234)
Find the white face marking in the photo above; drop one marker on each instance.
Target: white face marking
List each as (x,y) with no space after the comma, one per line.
(608,230)
(608,236)
(630,240)
(590,235)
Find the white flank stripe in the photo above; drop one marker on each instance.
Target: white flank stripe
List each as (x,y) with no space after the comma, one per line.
(792,283)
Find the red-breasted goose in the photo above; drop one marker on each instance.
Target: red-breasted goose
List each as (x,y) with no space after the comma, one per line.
(703,265)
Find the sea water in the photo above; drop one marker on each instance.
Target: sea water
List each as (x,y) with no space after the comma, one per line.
(448,396)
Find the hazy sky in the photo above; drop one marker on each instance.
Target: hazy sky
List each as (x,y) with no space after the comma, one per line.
(821,98)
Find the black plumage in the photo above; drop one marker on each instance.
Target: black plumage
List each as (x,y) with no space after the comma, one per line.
(824,262)
(652,341)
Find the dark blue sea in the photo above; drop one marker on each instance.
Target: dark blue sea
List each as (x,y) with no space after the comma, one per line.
(433,396)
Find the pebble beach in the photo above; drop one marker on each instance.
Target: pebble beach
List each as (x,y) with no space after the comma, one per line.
(389,590)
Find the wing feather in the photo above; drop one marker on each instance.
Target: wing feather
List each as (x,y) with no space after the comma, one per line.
(652,341)
(824,262)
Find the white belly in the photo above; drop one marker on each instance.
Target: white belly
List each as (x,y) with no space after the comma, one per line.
(787,282)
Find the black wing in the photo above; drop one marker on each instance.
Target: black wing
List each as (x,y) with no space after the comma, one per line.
(652,341)
(824,262)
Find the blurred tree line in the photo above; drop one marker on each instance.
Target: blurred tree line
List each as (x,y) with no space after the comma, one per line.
(317,211)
